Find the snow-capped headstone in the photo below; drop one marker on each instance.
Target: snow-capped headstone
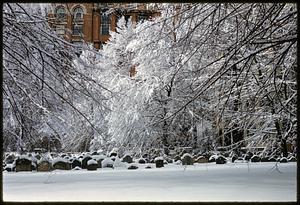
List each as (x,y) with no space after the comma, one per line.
(127,158)
(176,158)
(187,159)
(212,158)
(23,163)
(76,163)
(107,162)
(113,152)
(292,159)
(84,161)
(159,162)
(92,165)
(221,160)
(283,160)
(44,165)
(255,158)
(201,159)
(234,157)
(141,160)
(60,163)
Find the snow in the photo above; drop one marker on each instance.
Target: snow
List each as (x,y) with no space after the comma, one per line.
(118,163)
(199,182)
(107,161)
(59,159)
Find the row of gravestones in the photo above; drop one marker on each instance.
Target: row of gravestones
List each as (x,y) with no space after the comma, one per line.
(92,162)
(89,162)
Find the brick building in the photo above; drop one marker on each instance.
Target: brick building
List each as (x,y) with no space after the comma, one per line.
(91,22)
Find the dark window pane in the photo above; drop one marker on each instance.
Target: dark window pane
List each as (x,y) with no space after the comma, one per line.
(60,12)
(105,24)
(77,29)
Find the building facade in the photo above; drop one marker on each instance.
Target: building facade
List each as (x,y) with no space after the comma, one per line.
(91,22)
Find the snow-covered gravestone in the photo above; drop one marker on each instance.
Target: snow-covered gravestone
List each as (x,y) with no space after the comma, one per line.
(44,165)
(107,162)
(255,158)
(141,160)
(292,159)
(127,158)
(92,165)
(60,163)
(23,163)
(283,160)
(159,162)
(221,160)
(84,161)
(201,159)
(76,163)
(187,159)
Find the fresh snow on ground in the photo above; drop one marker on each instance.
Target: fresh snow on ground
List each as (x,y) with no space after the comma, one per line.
(199,182)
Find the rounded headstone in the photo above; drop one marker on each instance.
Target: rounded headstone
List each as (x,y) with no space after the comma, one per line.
(43,166)
(255,158)
(84,161)
(187,159)
(283,160)
(23,164)
(76,163)
(221,160)
(127,158)
(159,162)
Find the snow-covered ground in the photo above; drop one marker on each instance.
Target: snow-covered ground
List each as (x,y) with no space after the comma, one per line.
(201,182)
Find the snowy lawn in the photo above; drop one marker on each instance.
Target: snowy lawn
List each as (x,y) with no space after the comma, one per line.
(201,182)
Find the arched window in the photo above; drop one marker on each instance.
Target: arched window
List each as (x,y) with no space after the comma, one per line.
(78,13)
(60,12)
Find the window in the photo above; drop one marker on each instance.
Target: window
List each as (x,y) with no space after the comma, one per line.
(142,17)
(77,29)
(78,13)
(60,29)
(105,24)
(60,13)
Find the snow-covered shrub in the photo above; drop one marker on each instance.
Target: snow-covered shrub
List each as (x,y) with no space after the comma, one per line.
(118,163)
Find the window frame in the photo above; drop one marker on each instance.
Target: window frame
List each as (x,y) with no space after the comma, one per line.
(105,24)
(75,13)
(76,26)
(58,14)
